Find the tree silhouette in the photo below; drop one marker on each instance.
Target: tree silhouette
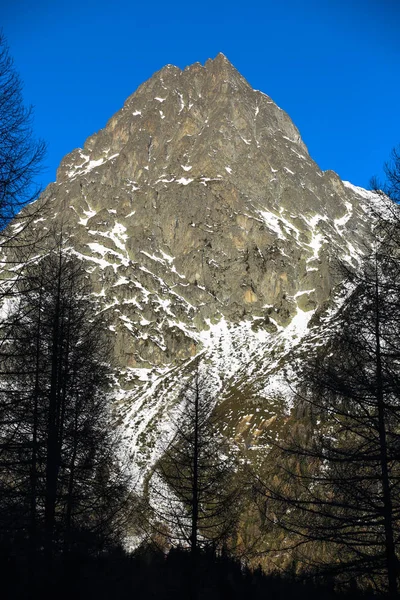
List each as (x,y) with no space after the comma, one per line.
(195,489)
(338,484)
(20,154)
(62,488)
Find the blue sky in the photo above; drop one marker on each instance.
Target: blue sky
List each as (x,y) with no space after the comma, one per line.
(333,65)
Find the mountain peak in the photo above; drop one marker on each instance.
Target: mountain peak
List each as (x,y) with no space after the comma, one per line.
(221,67)
(220,63)
(204,225)
(219,60)
(207,116)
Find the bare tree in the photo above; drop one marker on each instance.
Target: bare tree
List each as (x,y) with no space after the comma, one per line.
(338,484)
(392,172)
(195,489)
(58,468)
(21,155)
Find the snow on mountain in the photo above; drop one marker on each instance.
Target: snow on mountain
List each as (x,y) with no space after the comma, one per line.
(210,235)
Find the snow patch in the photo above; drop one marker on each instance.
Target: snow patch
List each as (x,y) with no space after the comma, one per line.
(184,181)
(89,214)
(288,170)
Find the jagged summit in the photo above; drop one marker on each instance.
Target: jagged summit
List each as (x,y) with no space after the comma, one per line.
(207,229)
(220,64)
(220,59)
(212,101)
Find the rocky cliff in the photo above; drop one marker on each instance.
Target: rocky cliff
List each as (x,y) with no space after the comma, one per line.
(208,231)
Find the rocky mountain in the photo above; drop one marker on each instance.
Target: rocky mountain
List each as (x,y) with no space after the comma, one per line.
(209,233)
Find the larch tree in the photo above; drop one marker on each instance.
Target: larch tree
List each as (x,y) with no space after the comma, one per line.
(63,487)
(194,489)
(21,155)
(338,486)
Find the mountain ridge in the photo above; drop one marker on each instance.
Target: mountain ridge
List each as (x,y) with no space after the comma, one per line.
(209,233)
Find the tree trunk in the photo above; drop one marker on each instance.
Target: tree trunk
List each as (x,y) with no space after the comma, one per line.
(33,533)
(52,433)
(195,505)
(391,560)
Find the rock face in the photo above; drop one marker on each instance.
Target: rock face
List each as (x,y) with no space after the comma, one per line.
(207,229)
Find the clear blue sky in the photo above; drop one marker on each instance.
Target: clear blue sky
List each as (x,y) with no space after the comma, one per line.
(333,65)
